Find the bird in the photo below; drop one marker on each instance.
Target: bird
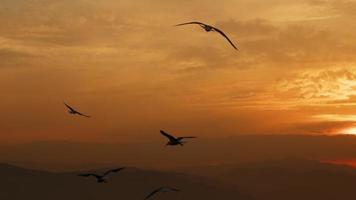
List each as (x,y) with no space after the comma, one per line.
(101,178)
(209,28)
(161,189)
(174,140)
(73,111)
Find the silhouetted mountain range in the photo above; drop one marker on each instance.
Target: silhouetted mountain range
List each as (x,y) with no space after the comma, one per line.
(292,179)
(273,179)
(19,184)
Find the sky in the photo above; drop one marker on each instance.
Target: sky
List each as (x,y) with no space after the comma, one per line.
(124,63)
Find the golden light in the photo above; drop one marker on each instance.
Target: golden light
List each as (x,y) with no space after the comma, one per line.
(349,131)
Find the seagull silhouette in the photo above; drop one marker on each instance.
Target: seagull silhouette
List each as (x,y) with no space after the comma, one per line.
(161,189)
(73,111)
(173,140)
(209,28)
(101,178)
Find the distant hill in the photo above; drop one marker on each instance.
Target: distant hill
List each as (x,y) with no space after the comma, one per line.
(19,184)
(288,179)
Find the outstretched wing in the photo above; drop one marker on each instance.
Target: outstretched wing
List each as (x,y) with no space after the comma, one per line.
(167,135)
(70,108)
(81,114)
(153,193)
(199,23)
(113,170)
(180,138)
(74,111)
(172,189)
(87,175)
(225,36)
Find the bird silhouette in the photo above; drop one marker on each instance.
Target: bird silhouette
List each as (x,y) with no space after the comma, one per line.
(101,178)
(161,189)
(174,140)
(209,28)
(73,111)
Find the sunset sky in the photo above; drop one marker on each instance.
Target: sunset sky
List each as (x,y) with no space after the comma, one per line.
(124,63)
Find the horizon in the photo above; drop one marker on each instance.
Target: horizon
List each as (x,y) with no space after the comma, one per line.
(153,153)
(231,99)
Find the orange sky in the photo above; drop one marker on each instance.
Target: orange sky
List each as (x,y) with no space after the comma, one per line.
(351,163)
(126,65)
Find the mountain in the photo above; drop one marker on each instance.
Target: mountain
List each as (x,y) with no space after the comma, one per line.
(19,183)
(292,179)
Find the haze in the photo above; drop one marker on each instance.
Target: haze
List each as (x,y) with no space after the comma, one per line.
(126,65)
(275,120)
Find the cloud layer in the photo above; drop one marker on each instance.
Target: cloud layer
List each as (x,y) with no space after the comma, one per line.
(125,63)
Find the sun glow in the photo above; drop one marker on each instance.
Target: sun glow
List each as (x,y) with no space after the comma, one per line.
(349,131)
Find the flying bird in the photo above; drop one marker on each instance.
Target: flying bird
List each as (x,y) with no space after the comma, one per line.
(209,28)
(161,189)
(102,178)
(174,140)
(73,111)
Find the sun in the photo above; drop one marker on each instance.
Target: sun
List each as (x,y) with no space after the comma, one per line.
(349,131)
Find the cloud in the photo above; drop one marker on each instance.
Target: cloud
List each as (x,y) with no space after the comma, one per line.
(335,117)
(13,54)
(344,7)
(253,28)
(128,54)
(322,86)
(16,58)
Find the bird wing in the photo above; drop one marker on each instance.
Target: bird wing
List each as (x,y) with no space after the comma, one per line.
(113,170)
(225,36)
(167,135)
(199,23)
(87,175)
(70,108)
(81,114)
(180,138)
(153,193)
(172,189)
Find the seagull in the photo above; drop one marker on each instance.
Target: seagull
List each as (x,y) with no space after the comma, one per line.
(101,178)
(73,111)
(161,189)
(173,140)
(209,28)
